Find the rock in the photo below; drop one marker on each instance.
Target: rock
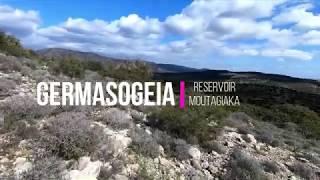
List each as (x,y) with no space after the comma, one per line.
(257,147)
(1,120)
(230,129)
(303,160)
(156,161)
(161,150)
(207,174)
(165,162)
(4,160)
(292,158)
(118,143)
(251,139)
(228,144)
(87,170)
(194,153)
(148,131)
(196,164)
(292,177)
(23,144)
(213,169)
(236,136)
(215,154)
(21,165)
(119,177)
(205,165)
(138,116)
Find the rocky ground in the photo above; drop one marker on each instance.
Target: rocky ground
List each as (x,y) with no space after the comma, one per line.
(124,147)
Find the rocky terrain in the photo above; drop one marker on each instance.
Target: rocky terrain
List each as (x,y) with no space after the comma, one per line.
(89,143)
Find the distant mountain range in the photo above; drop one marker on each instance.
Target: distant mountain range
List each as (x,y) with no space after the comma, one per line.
(175,72)
(89,56)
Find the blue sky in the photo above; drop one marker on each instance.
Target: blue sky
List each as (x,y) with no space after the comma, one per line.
(56,11)
(276,36)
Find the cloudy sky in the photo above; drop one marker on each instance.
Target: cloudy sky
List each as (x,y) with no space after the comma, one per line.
(273,36)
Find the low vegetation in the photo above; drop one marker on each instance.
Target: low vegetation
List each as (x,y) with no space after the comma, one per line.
(242,166)
(11,46)
(75,68)
(69,136)
(196,125)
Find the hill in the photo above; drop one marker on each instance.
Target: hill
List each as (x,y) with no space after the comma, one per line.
(59,53)
(298,84)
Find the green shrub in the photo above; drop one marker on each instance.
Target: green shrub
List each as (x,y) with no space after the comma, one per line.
(70,136)
(270,167)
(18,108)
(307,121)
(12,46)
(117,119)
(190,123)
(6,85)
(303,170)
(75,68)
(144,143)
(215,146)
(242,166)
(45,168)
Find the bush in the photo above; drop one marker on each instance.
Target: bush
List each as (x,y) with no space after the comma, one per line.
(11,46)
(312,157)
(303,171)
(92,76)
(26,71)
(166,141)
(22,107)
(307,120)
(40,75)
(9,64)
(265,137)
(270,167)
(26,131)
(242,166)
(238,120)
(181,149)
(45,168)
(70,136)
(144,143)
(190,123)
(116,118)
(6,85)
(215,146)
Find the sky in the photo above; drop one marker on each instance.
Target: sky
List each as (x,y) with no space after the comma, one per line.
(271,36)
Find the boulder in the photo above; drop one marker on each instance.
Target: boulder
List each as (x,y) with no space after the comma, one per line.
(251,139)
(194,153)
(161,150)
(87,170)
(118,143)
(21,165)
(196,164)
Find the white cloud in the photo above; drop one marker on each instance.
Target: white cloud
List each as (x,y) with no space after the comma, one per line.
(205,28)
(18,22)
(311,38)
(301,16)
(287,53)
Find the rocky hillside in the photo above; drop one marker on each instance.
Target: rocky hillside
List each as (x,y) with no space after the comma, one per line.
(119,143)
(256,141)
